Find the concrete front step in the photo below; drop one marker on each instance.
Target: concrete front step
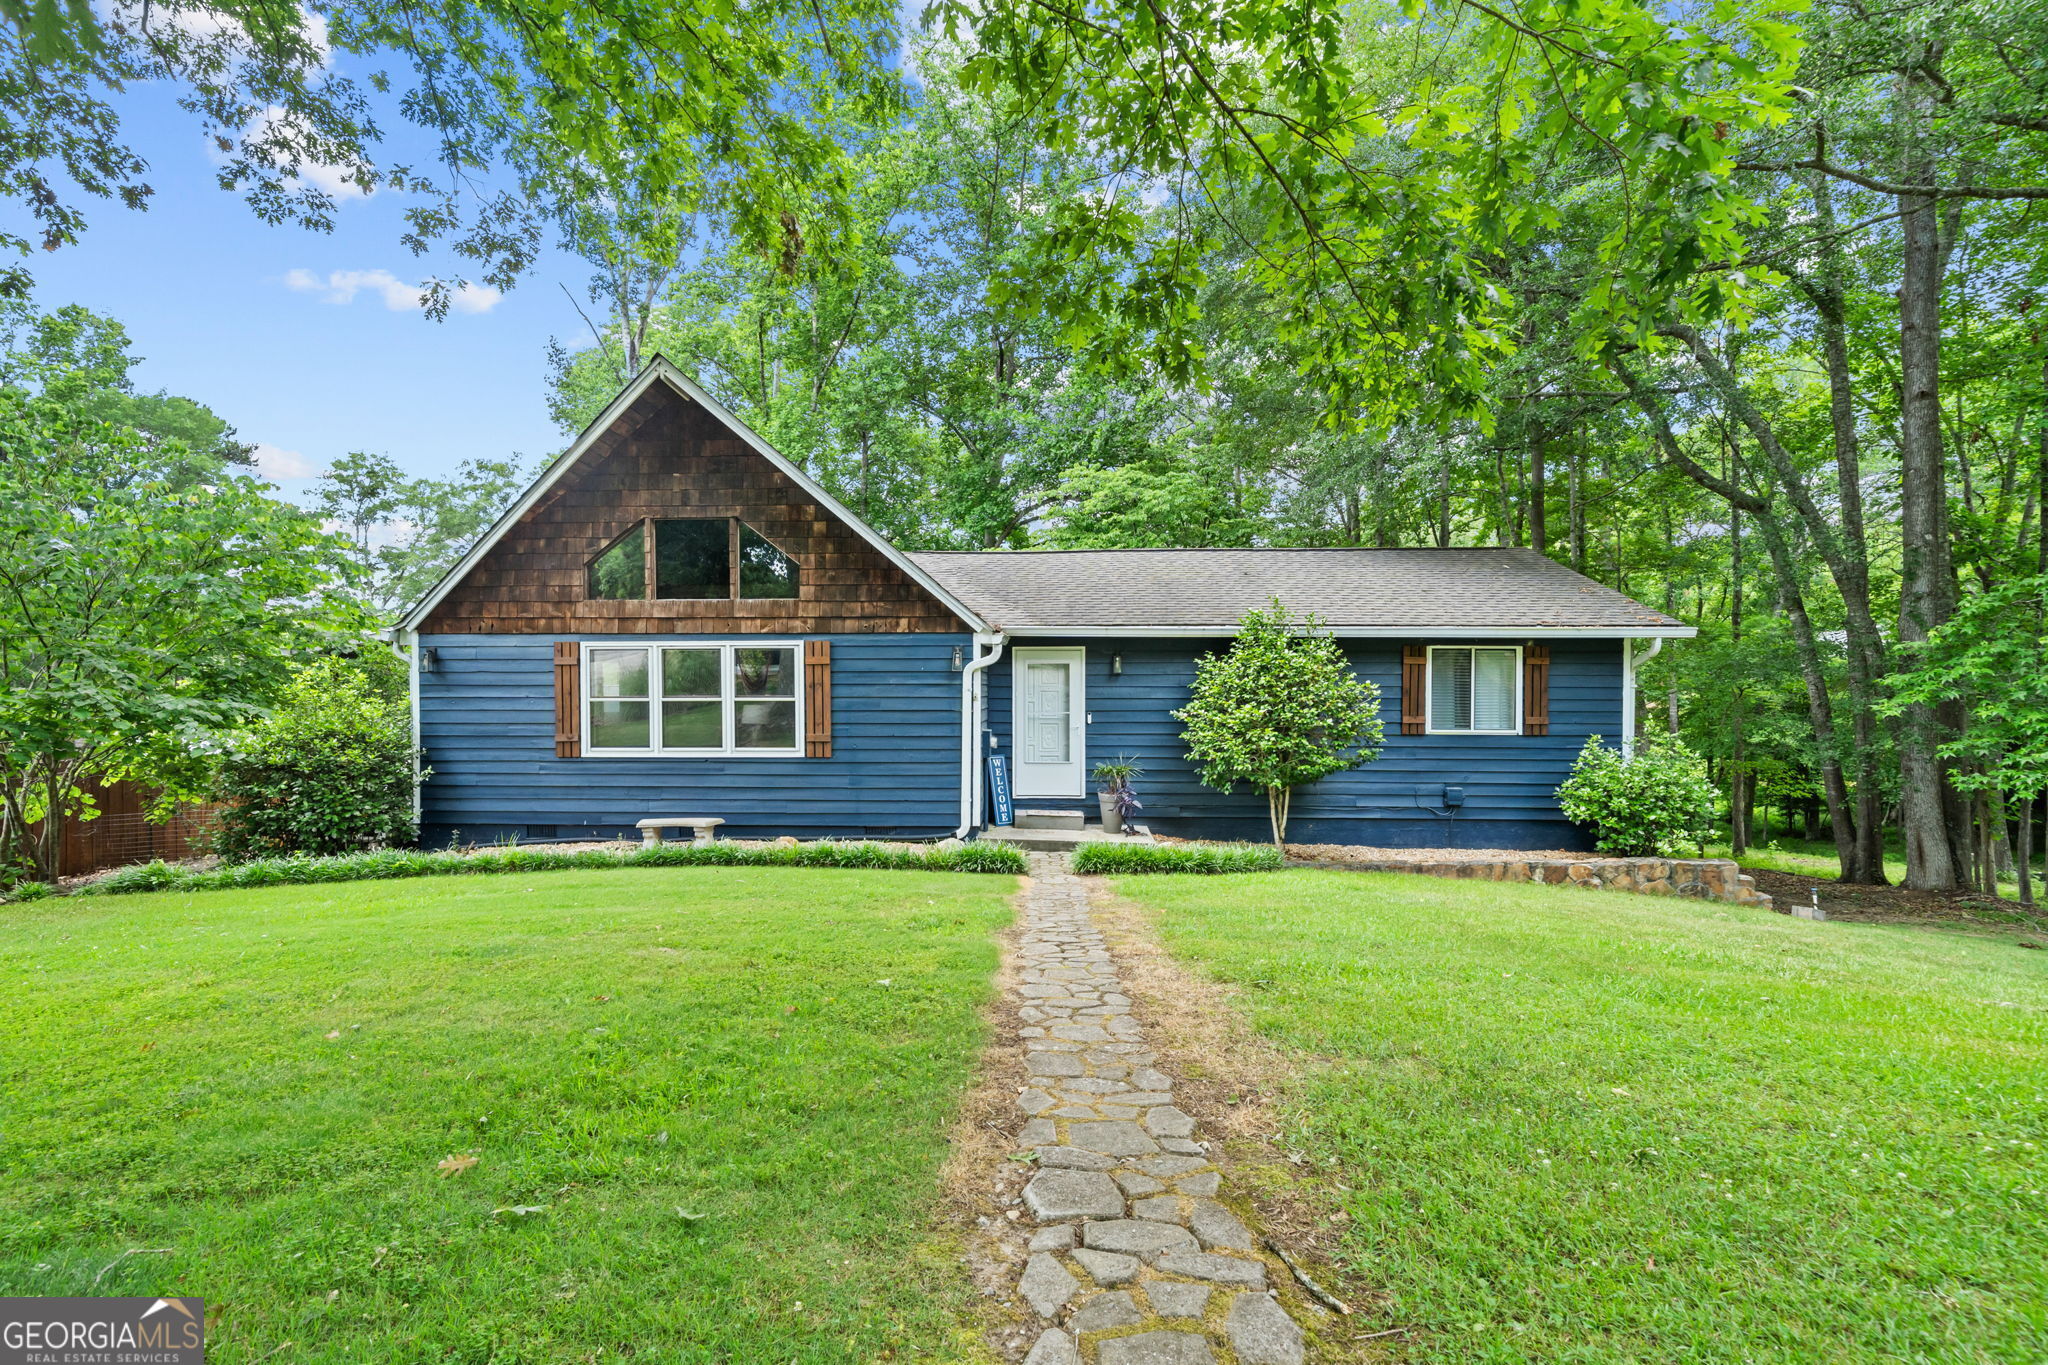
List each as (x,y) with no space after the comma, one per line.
(1063,840)
(1049,819)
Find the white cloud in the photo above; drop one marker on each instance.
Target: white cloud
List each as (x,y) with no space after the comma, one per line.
(275,130)
(342,286)
(275,462)
(201,22)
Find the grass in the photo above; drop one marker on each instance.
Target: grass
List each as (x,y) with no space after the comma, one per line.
(1584,1127)
(1204,858)
(395,863)
(722,1093)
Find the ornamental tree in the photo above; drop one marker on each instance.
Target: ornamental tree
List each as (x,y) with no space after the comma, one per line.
(139,615)
(1282,708)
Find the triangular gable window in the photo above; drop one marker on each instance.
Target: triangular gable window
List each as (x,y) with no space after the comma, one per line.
(693,558)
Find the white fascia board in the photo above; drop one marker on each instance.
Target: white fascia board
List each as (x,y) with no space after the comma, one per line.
(1364,632)
(662,370)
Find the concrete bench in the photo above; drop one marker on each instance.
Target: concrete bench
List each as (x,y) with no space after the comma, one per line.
(702,828)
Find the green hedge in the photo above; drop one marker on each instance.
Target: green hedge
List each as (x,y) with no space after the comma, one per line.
(1126,858)
(393,863)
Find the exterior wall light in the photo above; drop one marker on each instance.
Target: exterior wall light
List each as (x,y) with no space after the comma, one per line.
(1116,664)
(958,661)
(430,660)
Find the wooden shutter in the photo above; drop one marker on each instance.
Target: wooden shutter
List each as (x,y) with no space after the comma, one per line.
(1414,689)
(568,699)
(1536,689)
(817,698)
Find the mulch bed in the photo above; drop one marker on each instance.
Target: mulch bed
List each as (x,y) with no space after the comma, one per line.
(1898,905)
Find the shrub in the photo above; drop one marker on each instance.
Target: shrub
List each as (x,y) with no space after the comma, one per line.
(1280,710)
(1128,858)
(384,864)
(1651,804)
(329,771)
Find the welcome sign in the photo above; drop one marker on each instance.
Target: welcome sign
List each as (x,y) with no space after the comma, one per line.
(999,789)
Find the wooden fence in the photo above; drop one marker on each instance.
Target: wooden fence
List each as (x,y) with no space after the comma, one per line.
(120,835)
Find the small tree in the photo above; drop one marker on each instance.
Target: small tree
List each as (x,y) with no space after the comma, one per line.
(142,610)
(1281,709)
(329,770)
(1641,805)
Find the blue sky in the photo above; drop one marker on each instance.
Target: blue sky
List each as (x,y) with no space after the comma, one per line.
(289,334)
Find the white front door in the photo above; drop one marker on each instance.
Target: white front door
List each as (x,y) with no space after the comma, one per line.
(1049,723)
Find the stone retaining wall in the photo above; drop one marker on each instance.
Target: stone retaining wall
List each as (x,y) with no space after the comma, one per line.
(1712,879)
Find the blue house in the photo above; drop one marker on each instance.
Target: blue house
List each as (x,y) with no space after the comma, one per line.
(676,620)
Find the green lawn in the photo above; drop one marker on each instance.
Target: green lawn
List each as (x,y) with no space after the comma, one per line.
(1591,1127)
(723,1090)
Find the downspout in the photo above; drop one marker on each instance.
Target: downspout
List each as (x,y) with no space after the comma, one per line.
(412,658)
(1630,663)
(970,731)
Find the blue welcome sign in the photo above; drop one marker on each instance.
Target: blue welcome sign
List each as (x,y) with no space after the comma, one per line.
(999,789)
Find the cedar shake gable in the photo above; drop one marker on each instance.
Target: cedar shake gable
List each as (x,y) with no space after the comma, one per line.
(669,451)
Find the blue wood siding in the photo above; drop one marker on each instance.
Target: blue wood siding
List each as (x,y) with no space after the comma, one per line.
(1509,781)
(487,722)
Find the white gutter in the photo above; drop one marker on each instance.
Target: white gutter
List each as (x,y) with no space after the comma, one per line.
(1364,632)
(970,731)
(1629,664)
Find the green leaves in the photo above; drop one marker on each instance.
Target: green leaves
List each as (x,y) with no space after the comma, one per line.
(1647,804)
(1280,709)
(1376,169)
(329,770)
(140,613)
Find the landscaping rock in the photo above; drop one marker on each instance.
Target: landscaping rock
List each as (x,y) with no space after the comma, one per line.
(1203,1265)
(1136,1237)
(1105,1312)
(1055,1064)
(1160,1208)
(1074,1159)
(1135,1184)
(1171,1298)
(1215,1226)
(1058,1237)
(1165,1121)
(1108,1267)
(1054,1195)
(1112,1139)
(1261,1332)
(1158,1348)
(1047,1285)
(1114,1151)
(1054,1347)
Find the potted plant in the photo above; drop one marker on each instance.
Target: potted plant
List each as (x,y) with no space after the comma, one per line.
(1115,791)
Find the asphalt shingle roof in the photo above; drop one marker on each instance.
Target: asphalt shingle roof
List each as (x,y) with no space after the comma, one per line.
(1351,588)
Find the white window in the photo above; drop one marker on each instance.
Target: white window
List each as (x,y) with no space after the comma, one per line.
(1475,689)
(688,698)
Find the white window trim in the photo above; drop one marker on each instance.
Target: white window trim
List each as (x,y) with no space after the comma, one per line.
(1429,692)
(725,647)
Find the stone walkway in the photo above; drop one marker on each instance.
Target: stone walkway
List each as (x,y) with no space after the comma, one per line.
(1134,1261)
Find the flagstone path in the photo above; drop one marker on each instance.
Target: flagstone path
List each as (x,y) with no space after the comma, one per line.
(1135,1259)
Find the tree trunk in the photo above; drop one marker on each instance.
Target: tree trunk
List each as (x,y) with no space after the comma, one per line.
(1577,505)
(1277,801)
(1820,712)
(1930,817)
(1539,533)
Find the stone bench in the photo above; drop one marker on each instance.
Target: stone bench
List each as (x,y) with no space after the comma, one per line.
(703,829)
